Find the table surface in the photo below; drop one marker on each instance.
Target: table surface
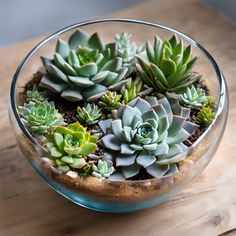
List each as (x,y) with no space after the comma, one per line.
(207,207)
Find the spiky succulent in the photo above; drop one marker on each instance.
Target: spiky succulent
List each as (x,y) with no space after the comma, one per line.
(36,95)
(205,116)
(126,49)
(110,100)
(90,114)
(194,98)
(83,68)
(131,89)
(166,65)
(40,117)
(103,169)
(68,146)
(146,133)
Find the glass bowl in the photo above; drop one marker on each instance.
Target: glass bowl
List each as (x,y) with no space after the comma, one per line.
(126,196)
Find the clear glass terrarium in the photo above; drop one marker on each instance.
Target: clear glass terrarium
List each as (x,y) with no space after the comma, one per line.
(121,196)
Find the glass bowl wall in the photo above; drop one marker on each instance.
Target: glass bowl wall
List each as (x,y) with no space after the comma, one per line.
(129,195)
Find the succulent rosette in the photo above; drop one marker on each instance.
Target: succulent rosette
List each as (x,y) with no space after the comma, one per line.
(68,146)
(83,68)
(166,65)
(40,117)
(146,133)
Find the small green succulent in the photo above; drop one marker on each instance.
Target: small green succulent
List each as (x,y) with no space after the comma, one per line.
(84,68)
(131,89)
(205,116)
(90,114)
(103,169)
(166,65)
(146,133)
(36,95)
(68,146)
(110,100)
(194,98)
(126,49)
(40,117)
(211,102)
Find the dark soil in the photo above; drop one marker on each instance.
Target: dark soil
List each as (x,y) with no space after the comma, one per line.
(142,175)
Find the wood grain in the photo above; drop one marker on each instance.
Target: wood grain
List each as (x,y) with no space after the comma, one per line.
(207,207)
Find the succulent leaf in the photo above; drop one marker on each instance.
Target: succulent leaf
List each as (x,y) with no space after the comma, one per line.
(110,100)
(36,95)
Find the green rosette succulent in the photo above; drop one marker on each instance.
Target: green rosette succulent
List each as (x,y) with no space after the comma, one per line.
(83,68)
(146,133)
(40,117)
(103,169)
(205,116)
(36,95)
(90,114)
(69,146)
(194,98)
(166,65)
(110,100)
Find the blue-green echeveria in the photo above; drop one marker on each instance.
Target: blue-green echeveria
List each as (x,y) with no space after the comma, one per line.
(68,146)
(146,133)
(83,68)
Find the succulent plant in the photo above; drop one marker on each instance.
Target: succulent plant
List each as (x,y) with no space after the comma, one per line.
(110,100)
(126,49)
(146,133)
(40,117)
(83,68)
(166,65)
(131,89)
(205,116)
(211,102)
(36,95)
(103,169)
(194,98)
(68,146)
(90,114)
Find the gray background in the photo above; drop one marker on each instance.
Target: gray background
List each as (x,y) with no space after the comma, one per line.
(25,19)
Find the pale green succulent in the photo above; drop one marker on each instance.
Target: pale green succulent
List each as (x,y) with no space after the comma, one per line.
(103,169)
(83,68)
(194,98)
(126,49)
(36,95)
(90,114)
(69,146)
(110,100)
(40,117)
(205,116)
(166,65)
(131,89)
(146,133)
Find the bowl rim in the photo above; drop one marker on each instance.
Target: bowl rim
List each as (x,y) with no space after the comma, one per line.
(219,76)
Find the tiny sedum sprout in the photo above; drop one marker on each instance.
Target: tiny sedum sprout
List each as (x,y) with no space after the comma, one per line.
(90,114)
(110,100)
(205,116)
(194,97)
(130,90)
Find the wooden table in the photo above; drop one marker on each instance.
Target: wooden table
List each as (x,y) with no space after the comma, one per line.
(207,207)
